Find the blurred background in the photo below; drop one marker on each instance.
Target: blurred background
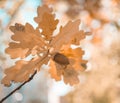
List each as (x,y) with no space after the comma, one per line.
(100,83)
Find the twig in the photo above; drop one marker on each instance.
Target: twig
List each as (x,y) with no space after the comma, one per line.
(18,87)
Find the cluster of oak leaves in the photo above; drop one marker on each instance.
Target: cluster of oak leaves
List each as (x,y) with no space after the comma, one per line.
(64,62)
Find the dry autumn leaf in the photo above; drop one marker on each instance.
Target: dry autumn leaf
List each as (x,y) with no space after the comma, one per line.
(66,35)
(69,74)
(75,55)
(48,25)
(20,72)
(46,21)
(26,40)
(64,62)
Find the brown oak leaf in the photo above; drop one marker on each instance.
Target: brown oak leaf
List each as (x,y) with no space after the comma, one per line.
(76,56)
(66,35)
(26,40)
(41,11)
(66,64)
(48,25)
(20,72)
(70,75)
(46,21)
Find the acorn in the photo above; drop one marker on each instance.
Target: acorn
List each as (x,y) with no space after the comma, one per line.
(61,59)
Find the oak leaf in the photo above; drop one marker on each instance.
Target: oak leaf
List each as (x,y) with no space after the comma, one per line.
(46,21)
(69,74)
(41,11)
(25,41)
(66,35)
(76,56)
(66,64)
(48,25)
(20,72)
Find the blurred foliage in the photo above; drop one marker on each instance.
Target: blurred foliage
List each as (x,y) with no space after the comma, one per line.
(101,81)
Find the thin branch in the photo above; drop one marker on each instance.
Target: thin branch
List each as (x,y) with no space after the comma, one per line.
(18,87)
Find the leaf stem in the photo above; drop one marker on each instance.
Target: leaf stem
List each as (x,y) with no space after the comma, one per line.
(3,99)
